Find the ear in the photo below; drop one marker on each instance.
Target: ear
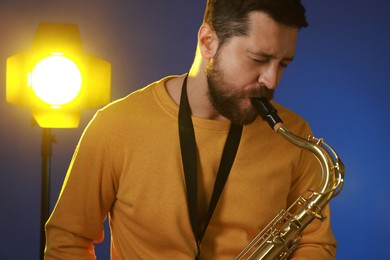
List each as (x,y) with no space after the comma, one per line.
(207,41)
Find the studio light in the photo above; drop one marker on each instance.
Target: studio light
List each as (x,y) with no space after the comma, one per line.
(55,80)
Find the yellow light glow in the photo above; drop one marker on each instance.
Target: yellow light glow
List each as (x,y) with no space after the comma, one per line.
(56,80)
(64,81)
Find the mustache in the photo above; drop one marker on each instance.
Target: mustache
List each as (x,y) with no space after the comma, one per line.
(261,92)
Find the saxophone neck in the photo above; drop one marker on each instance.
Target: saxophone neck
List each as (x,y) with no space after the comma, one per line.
(331,165)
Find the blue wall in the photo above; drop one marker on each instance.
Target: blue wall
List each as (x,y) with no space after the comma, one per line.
(338,81)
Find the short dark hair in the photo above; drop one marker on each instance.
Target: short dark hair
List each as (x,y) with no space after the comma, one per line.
(230,18)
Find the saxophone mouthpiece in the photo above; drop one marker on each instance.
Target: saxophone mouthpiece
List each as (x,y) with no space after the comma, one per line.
(267,112)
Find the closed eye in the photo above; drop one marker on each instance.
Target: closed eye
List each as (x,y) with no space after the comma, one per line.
(266,60)
(285,62)
(284,65)
(261,60)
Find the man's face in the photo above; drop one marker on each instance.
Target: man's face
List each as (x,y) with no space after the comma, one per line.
(250,66)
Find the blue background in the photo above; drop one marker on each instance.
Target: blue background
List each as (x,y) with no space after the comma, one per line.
(338,82)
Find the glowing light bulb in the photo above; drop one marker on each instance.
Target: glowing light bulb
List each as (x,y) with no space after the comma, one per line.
(56,80)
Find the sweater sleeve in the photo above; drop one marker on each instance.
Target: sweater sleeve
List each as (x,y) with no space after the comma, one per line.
(86,196)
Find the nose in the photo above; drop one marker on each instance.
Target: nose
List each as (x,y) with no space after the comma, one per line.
(270,76)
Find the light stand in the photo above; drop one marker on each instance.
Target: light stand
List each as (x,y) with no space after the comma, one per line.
(46,152)
(56,80)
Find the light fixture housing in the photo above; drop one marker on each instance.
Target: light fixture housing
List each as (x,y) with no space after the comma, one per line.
(73,79)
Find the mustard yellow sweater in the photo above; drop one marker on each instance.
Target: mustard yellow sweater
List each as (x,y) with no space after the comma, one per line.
(128,165)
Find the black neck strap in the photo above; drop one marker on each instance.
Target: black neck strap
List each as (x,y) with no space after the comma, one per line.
(189,158)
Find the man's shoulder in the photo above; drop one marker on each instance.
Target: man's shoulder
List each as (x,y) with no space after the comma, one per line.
(292,120)
(137,98)
(286,112)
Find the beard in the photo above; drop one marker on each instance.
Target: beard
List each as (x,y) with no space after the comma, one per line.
(227,99)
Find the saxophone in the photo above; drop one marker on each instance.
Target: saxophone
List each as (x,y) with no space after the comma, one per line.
(283,234)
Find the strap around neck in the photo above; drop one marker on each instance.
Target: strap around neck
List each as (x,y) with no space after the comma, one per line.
(190,160)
